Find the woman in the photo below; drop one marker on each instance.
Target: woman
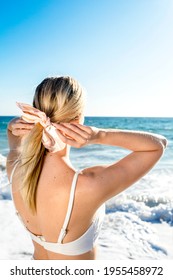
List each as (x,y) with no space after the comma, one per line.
(60,207)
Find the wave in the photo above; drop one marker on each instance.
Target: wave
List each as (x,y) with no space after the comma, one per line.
(4,183)
(2,162)
(149,210)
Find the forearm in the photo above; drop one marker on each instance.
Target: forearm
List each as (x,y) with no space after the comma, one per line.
(78,135)
(131,140)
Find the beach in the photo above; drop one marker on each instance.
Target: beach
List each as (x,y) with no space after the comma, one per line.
(138,223)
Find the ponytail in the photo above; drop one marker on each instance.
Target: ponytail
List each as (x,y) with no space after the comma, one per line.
(31,162)
(62,100)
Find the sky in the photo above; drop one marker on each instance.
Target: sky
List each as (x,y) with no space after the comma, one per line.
(119,50)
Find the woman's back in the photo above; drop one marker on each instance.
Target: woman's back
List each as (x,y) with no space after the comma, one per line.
(53,195)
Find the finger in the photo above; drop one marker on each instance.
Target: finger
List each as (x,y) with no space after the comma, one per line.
(22,126)
(69,132)
(67,140)
(78,130)
(20,132)
(84,127)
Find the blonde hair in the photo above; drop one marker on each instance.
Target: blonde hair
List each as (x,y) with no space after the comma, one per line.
(62,99)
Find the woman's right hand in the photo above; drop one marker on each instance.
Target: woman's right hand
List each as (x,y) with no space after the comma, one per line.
(77,135)
(19,127)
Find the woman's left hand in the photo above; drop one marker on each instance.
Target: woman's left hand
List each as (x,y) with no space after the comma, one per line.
(19,127)
(77,135)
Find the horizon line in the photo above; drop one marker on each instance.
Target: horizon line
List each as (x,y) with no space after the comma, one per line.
(102,116)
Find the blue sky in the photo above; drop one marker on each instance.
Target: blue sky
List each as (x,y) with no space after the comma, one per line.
(120,51)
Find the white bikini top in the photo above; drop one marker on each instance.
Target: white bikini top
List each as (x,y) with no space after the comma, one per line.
(82,244)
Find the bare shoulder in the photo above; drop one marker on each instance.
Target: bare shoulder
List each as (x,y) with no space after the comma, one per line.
(90,184)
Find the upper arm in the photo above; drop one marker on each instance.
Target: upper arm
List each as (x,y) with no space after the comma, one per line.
(115,178)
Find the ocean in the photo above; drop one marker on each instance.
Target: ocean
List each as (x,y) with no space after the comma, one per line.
(138,223)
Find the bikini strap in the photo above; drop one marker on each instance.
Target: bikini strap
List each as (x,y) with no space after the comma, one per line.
(63,231)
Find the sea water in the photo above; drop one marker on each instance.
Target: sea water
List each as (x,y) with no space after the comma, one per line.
(138,223)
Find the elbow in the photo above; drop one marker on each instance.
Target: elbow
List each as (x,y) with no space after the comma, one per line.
(164,143)
(162,146)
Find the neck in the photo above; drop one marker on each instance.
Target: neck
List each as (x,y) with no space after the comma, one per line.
(61,155)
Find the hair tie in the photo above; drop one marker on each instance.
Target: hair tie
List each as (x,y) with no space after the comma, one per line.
(50,137)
